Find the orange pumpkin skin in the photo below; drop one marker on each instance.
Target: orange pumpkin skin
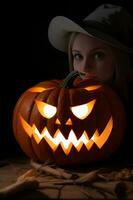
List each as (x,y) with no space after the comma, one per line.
(107,105)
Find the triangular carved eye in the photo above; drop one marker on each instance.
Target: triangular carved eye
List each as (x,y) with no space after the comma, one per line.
(82,111)
(46,110)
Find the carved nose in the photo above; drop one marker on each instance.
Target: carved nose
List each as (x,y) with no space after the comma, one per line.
(57,121)
(68,122)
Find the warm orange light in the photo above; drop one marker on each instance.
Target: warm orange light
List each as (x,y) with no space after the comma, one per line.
(69,122)
(41,89)
(46,110)
(82,111)
(37,89)
(57,122)
(93,87)
(100,140)
(66,144)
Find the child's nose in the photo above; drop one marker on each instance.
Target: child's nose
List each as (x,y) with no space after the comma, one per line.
(87,65)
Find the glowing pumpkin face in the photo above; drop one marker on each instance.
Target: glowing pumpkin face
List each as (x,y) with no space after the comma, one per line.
(70,125)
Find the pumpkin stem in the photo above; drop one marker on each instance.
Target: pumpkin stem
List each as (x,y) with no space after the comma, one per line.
(68,82)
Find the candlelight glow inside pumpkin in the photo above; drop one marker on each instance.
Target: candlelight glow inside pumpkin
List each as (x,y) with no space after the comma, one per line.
(81,112)
(74,125)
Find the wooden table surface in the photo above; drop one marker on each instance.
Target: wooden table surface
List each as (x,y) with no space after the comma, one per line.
(13,167)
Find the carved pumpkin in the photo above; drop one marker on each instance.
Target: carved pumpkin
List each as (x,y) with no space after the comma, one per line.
(71,125)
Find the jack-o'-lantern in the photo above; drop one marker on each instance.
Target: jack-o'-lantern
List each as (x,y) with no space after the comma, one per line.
(70,123)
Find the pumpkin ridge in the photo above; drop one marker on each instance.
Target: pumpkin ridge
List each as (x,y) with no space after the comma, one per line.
(112,106)
(17,125)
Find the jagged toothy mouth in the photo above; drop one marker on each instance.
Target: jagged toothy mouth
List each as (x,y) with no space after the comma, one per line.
(58,139)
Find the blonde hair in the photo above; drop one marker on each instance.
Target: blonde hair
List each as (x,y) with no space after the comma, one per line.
(123,72)
(70,57)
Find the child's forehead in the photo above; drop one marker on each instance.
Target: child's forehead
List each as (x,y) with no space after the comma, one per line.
(85,42)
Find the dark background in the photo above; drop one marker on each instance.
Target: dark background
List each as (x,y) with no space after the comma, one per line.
(27,57)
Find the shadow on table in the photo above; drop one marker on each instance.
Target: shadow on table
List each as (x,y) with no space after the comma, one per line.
(27,195)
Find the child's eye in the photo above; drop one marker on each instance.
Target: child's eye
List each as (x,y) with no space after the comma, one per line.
(77,56)
(98,55)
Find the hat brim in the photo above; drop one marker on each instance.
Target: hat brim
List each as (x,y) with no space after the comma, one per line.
(60,28)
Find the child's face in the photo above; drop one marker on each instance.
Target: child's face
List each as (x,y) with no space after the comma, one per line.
(93,57)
